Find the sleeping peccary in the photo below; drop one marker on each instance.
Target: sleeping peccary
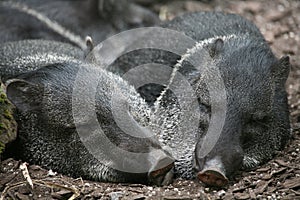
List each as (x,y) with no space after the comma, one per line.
(256,124)
(40,77)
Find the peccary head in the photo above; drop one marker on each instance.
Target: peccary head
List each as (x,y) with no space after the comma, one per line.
(60,130)
(257,117)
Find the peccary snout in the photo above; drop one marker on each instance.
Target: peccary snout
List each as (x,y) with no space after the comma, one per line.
(215,171)
(214,174)
(225,158)
(162,171)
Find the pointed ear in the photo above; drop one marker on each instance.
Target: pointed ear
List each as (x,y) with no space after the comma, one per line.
(216,47)
(281,70)
(24,95)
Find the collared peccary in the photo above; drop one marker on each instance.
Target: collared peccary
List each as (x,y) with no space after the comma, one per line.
(70,21)
(48,128)
(257,117)
(256,123)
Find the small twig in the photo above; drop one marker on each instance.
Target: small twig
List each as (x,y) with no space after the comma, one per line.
(82,183)
(295,113)
(11,195)
(48,184)
(9,187)
(25,173)
(76,192)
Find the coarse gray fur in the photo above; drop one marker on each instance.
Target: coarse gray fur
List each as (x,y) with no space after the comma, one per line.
(28,55)
(257,119)
(70,21)
(47,134)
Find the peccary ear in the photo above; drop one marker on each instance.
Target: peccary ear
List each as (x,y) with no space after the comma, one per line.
(281,69)
(216,47)
(24,95)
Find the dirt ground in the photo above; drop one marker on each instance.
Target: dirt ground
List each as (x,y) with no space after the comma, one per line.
(279,21)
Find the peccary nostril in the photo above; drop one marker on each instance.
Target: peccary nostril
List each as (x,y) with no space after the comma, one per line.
(212,177)
(163,176)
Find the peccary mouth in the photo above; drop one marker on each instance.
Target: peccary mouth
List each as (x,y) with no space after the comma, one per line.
(213,177)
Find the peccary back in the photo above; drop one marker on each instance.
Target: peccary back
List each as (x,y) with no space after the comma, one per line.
(29,55)
(70,21)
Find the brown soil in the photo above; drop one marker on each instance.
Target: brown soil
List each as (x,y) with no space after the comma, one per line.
(279,21)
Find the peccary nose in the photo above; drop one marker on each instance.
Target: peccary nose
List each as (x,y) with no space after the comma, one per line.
(161,172)
(213,177)
(213,173)
(162,176)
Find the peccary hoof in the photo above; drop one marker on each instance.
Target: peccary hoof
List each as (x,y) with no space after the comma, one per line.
(213,177)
